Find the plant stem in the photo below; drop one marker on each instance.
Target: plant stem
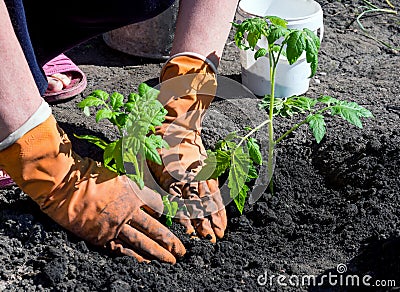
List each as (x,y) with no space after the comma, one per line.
(300,124)
(271,143)
(252,132)
(113,120)
(141,168)
(290,131)
(390,4)
(380,10)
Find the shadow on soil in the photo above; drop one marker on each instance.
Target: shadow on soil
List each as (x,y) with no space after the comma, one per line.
(378,263)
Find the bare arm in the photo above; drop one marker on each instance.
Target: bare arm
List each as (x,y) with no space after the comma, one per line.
(19,96)
(203,27)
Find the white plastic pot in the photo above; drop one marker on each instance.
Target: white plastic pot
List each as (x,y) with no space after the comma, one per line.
(289,79)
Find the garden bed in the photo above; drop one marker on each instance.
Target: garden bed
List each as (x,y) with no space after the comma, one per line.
(337,202)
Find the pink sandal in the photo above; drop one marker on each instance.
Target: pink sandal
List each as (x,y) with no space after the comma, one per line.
(63,64)
(5,180)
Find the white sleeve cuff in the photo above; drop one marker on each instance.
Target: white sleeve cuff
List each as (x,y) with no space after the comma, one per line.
(41,115)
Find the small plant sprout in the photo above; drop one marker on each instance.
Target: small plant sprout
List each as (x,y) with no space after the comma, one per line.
(134,119)
(230,153)
(170,210)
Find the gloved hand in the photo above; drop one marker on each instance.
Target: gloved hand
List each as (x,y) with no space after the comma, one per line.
(88,199)
(187,89)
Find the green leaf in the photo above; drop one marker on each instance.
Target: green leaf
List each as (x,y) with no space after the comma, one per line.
(253,174)
(157,117)
(86,111)
(90,101)
(239,37)
(312,58)
(143,89)
(253,38)
(116,100)
(221,145)
(147,92)
(317,126)
(119,161)
(365,113)
(174,208)
(277,21)
(312,47)
(275,33)
(168,221)
(108,156)
(150,150)
(137,179)
(129,106)
(112,157)
(210,164)
(351,112)
(287,107)
(315,39)
(254,150)
(158,141)
(121,118)
(240,199)
(260,53)
(277,48)
(328,100)
(305,102)
(170,209)
(103,114)
(238,172)
(254,28)
(133,143)
(152,94)
(215,165)
(136,118)
(133,97)
(94,140)
(231,136)
(296,44)
(100,94)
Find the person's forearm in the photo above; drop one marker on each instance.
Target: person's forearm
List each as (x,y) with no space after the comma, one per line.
(19,96)
(203,27)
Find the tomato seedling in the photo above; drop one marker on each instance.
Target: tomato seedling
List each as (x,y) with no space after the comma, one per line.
(291,43)
(170,210)
(134,119)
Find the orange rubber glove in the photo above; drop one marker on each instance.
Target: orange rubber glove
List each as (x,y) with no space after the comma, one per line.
(187,89)
(88,199)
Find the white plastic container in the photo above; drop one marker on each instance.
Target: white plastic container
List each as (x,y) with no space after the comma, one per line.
(289,79)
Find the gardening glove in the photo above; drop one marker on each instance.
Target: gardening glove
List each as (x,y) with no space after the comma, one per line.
(187,89)
(86,198)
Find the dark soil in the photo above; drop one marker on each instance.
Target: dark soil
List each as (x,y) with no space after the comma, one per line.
(336,202)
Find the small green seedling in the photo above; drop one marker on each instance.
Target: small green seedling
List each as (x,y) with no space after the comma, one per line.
(134,119)
(170,209)
(291,43)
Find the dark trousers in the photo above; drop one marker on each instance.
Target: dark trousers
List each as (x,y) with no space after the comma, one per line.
(47,28)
